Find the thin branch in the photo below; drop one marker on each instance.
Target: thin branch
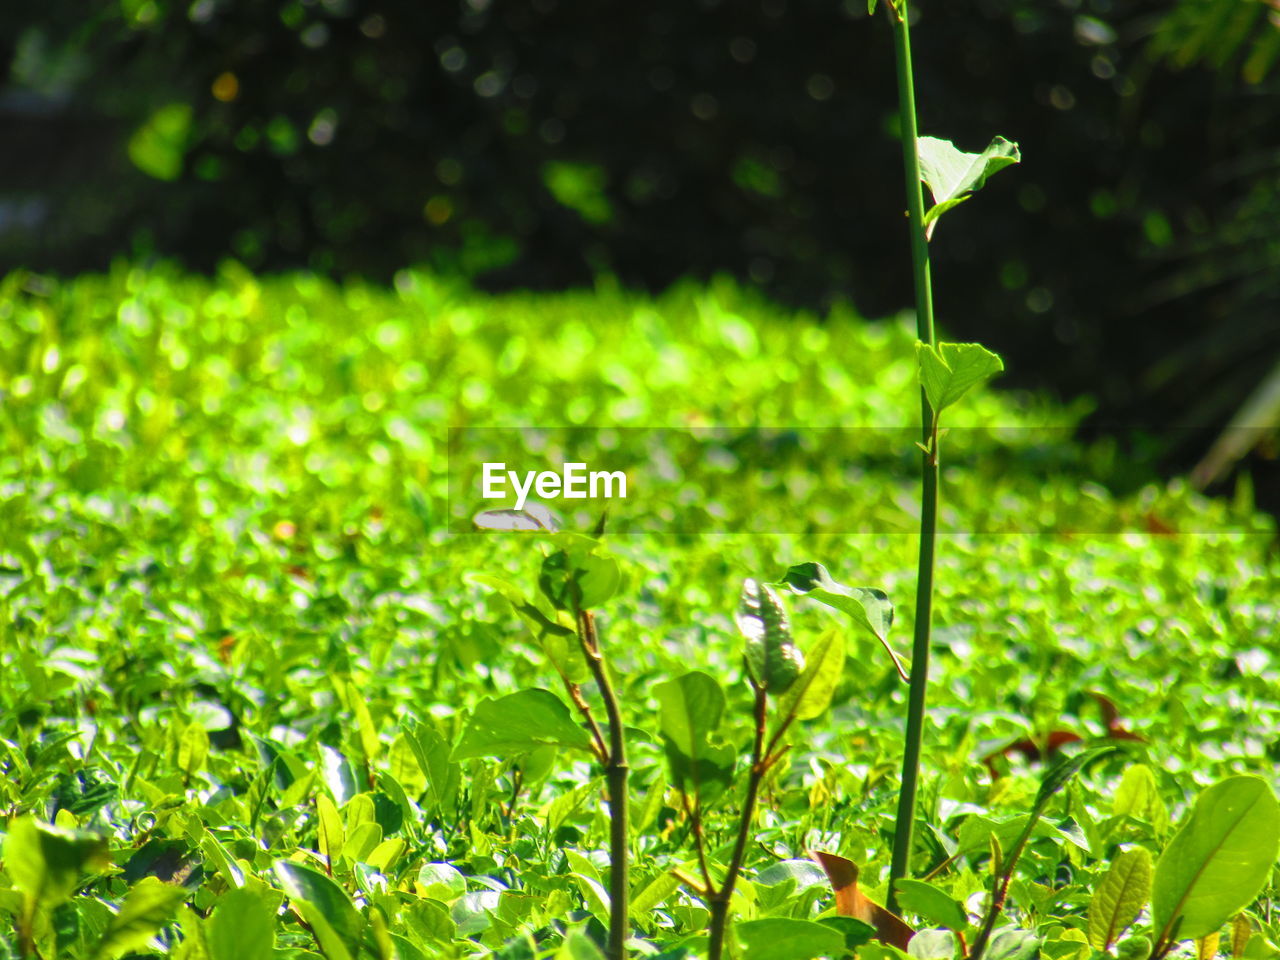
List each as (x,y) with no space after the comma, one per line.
(718,902)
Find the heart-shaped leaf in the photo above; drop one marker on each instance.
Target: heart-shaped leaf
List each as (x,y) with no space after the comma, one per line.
(950,370)
(953,175)
(868,607)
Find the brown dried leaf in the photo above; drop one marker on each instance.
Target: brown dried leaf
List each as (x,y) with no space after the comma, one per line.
(851,902)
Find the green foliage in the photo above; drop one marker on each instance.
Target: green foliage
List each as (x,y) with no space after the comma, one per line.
(691,707)
(772,657)
(868,607)
(781,938)
(45,862)
(146,910)
(809,695)
(1220,33)
(519,723)
(580,576)
(581,188)
(242,927)
(1123,892)
(224,510)
(1219,861)
(950,370)
(953,176)
(932,904)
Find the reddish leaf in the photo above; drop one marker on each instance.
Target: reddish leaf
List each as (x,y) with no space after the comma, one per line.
(1030,750)
(850,901)
(1111,719)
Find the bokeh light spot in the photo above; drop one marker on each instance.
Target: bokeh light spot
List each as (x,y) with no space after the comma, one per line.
(438,210)
(226,87)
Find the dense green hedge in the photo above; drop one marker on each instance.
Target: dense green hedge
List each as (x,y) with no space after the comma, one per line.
(538,143)
(226,593)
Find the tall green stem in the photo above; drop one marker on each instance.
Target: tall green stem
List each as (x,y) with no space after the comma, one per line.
(616,775)
(929,462)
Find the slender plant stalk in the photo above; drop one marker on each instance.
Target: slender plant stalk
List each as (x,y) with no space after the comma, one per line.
(929,463)
(26,923)
(718,901)
(1000,890)
(597,738)
(616,774)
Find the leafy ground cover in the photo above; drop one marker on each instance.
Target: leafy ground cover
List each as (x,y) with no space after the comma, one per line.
(253,687)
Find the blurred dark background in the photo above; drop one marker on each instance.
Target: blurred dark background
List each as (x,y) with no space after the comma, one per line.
(1134,256)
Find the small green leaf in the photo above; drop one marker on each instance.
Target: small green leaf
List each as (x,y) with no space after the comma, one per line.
(1219,860)
(147,908)
(1011,943)
(953,175)
(558,642)
(431,751)
(578,946)
(950,370)
(691,708)
(324,905)
(362,840)
(243,927)
(855,932)
(519,723)
(868,607)
(810,695)
(46,862)
(655,892)
(772,659)
(929,902)
(783,938)
(580,577)
(1138,796)
(441,881)
(329,828)
(523,606)
(193,749)
(932,944)
(1122,893)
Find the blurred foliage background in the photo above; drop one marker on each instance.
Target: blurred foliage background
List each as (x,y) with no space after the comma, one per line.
(1134,256)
